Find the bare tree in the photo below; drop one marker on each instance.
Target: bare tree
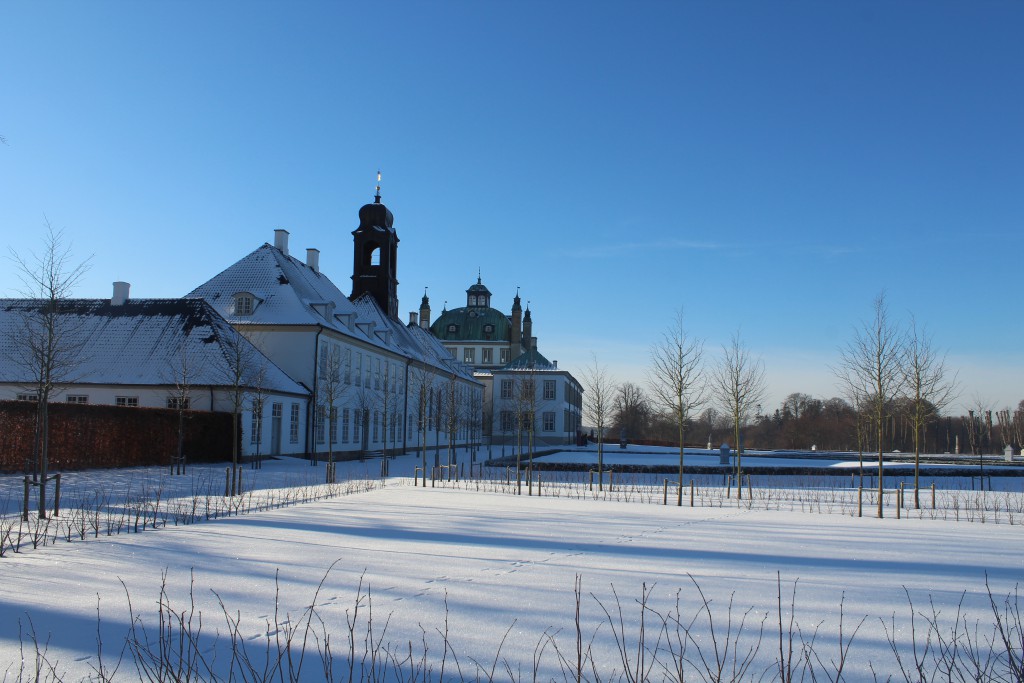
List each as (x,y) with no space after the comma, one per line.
(929,387)
(738,384)
(258,394)
(239,371)
(677,382)
(870,366)
(631,410)
(48,348)
(422,381)
(330,389)
(183,374)
(599,395)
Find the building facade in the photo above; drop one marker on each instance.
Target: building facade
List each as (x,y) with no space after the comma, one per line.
(321,371)
(524,391)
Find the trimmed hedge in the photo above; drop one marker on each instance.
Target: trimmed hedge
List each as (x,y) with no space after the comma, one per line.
(94,436)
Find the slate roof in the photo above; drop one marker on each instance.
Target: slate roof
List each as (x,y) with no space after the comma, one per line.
(410,341)
(289,292)
(139,342)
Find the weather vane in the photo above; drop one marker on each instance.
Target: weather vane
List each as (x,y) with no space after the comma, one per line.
(377,196)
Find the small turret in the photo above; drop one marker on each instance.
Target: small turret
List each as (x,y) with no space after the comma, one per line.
(528,338)
(425,311)
(517,326)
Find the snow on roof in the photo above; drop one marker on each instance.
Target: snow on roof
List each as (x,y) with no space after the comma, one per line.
(287,292)
(411,341)
(140,342)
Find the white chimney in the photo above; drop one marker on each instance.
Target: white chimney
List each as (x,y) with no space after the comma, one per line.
(312,259)
(281,240)
(120,293)
(412,318)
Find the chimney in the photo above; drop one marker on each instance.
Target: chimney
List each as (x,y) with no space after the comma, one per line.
(533,343)
(555,363)
(412,319)
(281,240)
(120,293)
(312,258)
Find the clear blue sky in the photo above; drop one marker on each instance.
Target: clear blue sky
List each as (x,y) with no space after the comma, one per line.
(768,166)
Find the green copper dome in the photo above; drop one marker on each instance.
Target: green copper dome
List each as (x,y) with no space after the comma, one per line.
(472,324)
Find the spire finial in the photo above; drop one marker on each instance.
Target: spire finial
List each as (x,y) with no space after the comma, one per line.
(478,280)
(376,197)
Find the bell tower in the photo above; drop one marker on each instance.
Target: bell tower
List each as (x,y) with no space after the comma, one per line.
(375,268)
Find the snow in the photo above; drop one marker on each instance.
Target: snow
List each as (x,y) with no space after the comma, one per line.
(490,562)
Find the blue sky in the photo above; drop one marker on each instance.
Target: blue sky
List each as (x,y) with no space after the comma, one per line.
(767,166)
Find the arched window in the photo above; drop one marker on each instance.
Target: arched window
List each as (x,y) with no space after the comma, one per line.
(375,256)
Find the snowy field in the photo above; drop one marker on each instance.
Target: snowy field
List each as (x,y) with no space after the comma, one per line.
(496,573)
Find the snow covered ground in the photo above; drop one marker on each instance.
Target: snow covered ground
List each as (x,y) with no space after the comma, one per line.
(478,563)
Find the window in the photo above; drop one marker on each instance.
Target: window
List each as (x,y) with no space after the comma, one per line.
(357,426)
(293,424)
(174,402)
(452,329)
(344,425)
(506,388)
(359,369)
(376,377)
(507,422)
(549,422)
(376,425)
(549,390)
(469,355)
(334,425)
(82,398)
(472,300)
(127,401)
(255,431)
(504,356)
(454,350)
(243,304)
(28,397)
(348,366)
(488,328)
(321,420)
(487,355)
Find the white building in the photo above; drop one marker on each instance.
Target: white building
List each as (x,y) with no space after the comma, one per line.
(531,393)
(152,353)
(322,370)
(376,383)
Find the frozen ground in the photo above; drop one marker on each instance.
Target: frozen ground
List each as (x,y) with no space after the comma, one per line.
(490,563)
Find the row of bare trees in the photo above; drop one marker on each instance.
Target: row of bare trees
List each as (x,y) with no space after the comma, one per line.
(892,375)
(680,384)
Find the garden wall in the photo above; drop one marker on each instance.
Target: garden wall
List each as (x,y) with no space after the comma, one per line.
(88,436)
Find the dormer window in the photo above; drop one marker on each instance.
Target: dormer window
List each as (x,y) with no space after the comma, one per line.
(489,329)
(472,300)
(452,329)
(243,304)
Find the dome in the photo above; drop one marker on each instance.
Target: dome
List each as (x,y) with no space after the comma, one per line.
(472,324)
(376,215)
